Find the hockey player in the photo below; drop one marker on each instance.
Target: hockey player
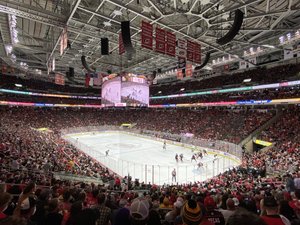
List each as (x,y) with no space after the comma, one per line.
(193,158)
(176,157)
(181,157)
(200,164)
(174,175)
(200,155)
(106,152)
(165,145)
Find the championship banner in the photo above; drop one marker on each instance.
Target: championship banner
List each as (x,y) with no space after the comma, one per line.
(170,44)
(59,79)
(181,50)
(197,53)
(189,70)
(63,40)
(160,40)
(190,51)
(179,74)
(121,45)
(147,35)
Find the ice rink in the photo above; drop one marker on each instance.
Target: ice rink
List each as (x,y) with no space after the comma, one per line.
(144,158)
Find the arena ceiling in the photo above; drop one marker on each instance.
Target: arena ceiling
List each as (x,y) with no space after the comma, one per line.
(40,24)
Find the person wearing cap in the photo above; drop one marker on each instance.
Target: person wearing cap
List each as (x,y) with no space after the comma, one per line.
(191,213)
(171,216)
(213,215)
(139,211)
(230,209)
(272,216)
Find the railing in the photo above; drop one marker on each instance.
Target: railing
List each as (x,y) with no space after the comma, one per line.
(76,178)
(228,155)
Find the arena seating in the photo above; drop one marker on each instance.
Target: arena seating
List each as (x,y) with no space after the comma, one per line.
(258,76)
(25,152)
(288,92)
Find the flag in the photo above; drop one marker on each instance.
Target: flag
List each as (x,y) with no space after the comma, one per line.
(88,80)
(59,79)
(97,79)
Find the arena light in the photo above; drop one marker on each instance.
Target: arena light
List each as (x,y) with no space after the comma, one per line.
(18,85)
(182,89)
(159,92)
(247,80)
(268,46)
(13,29)
(8,49)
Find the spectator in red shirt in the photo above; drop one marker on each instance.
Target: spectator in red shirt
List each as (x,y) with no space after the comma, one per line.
(272,210)
(212,215)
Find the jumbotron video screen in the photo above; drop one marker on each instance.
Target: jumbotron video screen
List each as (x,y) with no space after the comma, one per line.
(125,90)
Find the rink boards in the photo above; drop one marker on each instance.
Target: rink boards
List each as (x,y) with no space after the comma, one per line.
(143,157)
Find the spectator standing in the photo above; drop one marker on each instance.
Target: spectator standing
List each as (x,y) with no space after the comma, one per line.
(212,215)
(272,216)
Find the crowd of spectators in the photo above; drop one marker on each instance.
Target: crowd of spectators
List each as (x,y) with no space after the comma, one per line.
(267,94)
(243,195)
(287,92)
(284,134)
(257,76)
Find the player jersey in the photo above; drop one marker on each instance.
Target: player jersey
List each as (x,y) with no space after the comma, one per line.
(215,217)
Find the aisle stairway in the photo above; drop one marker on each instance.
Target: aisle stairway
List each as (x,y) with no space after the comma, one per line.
(248,141)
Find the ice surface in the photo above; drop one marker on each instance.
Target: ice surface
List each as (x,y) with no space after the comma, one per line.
(144,158)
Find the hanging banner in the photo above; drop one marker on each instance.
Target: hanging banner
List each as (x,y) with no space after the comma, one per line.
(188,70)
(160,40)
(179,74)
(190,51)
(181,48)
(121,45)
(147,35)
(63,40)
(197,53)
(59,79)
(170,44)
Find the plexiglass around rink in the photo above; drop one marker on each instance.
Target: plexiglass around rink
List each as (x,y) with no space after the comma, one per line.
(142,156)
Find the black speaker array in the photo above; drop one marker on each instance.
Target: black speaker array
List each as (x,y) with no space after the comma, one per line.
(104,46)
(238,21)
(204,62)
(71,72)
(85,65)
(126,37)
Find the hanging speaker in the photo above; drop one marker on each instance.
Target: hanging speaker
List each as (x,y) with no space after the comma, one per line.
(204,62)
(126,37)
(85,65)
(238,21)
(104,46)
(71,72)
